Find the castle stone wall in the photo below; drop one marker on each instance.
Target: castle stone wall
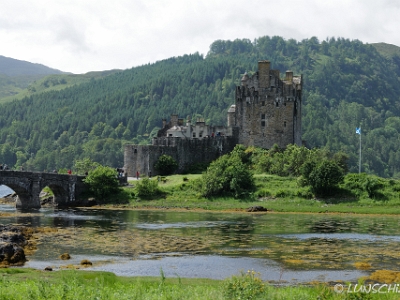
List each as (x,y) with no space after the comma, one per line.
(185,151)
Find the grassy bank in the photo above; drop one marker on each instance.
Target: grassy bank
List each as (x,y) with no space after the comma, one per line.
(279,194)
(67,284)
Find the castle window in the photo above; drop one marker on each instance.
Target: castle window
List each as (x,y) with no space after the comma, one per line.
(170,134)
(262,103)
(277,104)
(263,120)
(263,123)
(134,150)
(263,116)
(284,124)
(194,134)
(200,134)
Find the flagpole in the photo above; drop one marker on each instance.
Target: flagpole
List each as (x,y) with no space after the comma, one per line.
(359,163)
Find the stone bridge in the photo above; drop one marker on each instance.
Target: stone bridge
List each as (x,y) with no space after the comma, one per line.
(68,189)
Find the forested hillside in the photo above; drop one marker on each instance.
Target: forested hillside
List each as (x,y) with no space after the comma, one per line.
(347,84)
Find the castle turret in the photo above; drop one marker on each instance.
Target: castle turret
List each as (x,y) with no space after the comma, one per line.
(263,74)
(245,78)
(231,115)
(289,76)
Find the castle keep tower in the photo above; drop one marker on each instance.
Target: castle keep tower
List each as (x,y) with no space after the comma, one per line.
(268,109)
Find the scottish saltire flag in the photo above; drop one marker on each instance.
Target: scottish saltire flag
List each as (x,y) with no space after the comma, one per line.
(358,130)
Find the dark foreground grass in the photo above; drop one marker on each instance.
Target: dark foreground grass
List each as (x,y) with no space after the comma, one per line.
(67,284)
(280,194)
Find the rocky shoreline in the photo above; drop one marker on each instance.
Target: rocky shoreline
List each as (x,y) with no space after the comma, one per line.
(13,241)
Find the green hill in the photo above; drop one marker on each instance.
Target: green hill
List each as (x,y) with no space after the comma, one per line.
(14,67)
(17,88)
(19,79)
(347,84)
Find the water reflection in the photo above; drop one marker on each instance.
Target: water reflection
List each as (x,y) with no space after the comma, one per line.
(308,245)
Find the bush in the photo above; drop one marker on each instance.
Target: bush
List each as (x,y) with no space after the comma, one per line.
(147,188)
(228,175)
(304,193)
(363,183)
(166,165)
(371,185)
(323,177)
(262,193)
(245,286)
(103,182)
(281,194)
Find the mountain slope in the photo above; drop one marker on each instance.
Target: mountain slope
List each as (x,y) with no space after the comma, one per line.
(14,67)
(18,87)
(19,79)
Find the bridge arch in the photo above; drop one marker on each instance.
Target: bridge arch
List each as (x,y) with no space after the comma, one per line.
(21,191)
(60,194)
(67,189)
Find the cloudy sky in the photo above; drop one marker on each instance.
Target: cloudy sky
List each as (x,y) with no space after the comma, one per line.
(91,35)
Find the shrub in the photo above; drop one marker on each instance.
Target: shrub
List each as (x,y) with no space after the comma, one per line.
(323,177)
(363,183)
(228,175)
(304,193)
(263,193)
(281,194)
(165,165)
(301,181)
(147,188)
(371,185)
(103,182)
(246,286)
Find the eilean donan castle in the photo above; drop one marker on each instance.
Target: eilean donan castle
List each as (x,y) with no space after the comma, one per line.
(267,111)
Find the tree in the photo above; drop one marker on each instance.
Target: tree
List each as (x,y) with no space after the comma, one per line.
(322,177)
(228,175)
(103,182)
(85,165)
(166,165)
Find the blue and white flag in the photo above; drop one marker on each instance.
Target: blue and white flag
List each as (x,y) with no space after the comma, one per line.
(358,130)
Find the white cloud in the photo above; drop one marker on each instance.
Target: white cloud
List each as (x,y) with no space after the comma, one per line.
(81,36)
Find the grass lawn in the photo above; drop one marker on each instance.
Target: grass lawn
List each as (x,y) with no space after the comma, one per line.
(72,284)
(279,194)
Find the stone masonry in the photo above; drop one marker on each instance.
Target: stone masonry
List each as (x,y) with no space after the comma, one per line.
(68,189)
(268,109)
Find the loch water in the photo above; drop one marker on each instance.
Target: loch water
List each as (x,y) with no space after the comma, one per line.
(284,248)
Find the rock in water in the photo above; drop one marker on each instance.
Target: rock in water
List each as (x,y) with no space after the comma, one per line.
(12,241)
